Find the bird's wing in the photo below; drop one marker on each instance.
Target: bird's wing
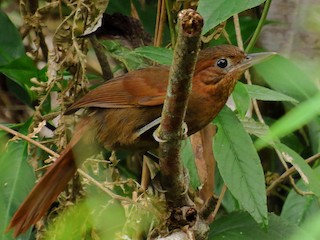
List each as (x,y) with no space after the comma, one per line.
(144,87)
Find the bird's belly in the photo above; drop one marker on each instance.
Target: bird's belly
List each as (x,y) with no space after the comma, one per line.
(117,128)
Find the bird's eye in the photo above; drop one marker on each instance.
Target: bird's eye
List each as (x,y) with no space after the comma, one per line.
(222,63)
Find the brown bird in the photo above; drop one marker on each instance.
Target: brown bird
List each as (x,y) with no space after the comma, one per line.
(123,113)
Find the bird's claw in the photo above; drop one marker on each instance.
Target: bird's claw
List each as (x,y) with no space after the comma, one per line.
(183,136)
(157,137)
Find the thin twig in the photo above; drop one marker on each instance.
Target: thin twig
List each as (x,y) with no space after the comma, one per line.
(161,18)
(221,196)
(289,172)
(102,58)
(238,31)
(259,27)
(28,139)
(209,207)
(92,180)
(247,73)
(101,187)
(170,16)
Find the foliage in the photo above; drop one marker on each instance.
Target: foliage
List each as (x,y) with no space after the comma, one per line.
(246,148)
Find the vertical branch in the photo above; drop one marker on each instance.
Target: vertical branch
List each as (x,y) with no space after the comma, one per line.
(170,131)
(160,23)
(259,27)
(33,7)
(102,58)
(169,6)
(246,73)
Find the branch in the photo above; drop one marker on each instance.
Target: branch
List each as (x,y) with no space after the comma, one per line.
(102,58)
(170,131)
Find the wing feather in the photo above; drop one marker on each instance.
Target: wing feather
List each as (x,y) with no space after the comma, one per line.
(144,87)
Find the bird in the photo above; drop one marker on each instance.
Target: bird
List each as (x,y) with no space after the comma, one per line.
(123,112)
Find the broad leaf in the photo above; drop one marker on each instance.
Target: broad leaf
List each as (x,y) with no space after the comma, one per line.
(311,227)
(297,208)
(11,46)
(254,128)
(124,55)
(293,120)
(160,55)
(284,76)
(20,71)
(240,166)
(87,218)
(241,98)
(266,94)
(215,12)
(187,157)
(16,178)
(240,226)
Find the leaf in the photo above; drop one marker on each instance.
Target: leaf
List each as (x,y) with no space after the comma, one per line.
(160,55)
(266,94)
(11,46)
(307,174)
(124,55)
(88,218)
(16,180)
(248,25)
(188,161)
(284,76)
(241,98)
(240,166)
(298,209)
(311,227)
(20,71)
(254,128)
(293,120)
(240,226)
(215,12)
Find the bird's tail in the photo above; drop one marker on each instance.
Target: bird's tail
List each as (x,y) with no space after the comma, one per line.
(48,188)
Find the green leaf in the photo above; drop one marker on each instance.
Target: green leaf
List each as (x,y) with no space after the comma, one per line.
(11,46)
(298,209)
(248,25)
(266,94)
(124,55)
(215,12)
(89,217)
(286,77)
(16,180)
(240,226)
(293,120)
(307,174)
(254,128)
(160,55)
(311,227)
(188,161)
(20,71)
(241,98)
(240,166)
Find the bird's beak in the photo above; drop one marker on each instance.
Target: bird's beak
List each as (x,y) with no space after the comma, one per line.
(252,59)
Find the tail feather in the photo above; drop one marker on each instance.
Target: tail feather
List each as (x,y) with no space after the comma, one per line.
(46,191)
